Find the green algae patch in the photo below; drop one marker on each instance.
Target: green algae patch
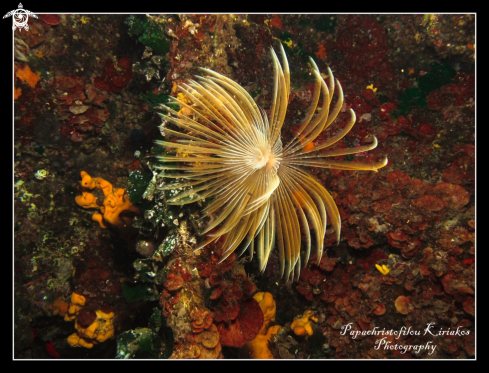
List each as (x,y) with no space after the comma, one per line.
(150,34)
(439,75)
(138,183)
(326,23)
(134,292)
(153,100)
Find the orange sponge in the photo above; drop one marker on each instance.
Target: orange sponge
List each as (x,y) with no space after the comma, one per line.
(258,347)
(17,93)
(302,325)
(26,75)
(59,307)
(97,332)
(76,303)
(267,305)
(116,200)
(75,341)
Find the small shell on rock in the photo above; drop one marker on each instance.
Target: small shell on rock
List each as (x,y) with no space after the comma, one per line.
(78,109)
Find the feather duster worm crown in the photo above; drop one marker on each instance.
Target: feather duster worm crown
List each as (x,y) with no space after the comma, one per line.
(261,195)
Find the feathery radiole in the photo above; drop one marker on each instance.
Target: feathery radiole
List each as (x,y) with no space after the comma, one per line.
(259,191)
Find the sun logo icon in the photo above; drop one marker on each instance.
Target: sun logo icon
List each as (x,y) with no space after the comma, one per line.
(20,17)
